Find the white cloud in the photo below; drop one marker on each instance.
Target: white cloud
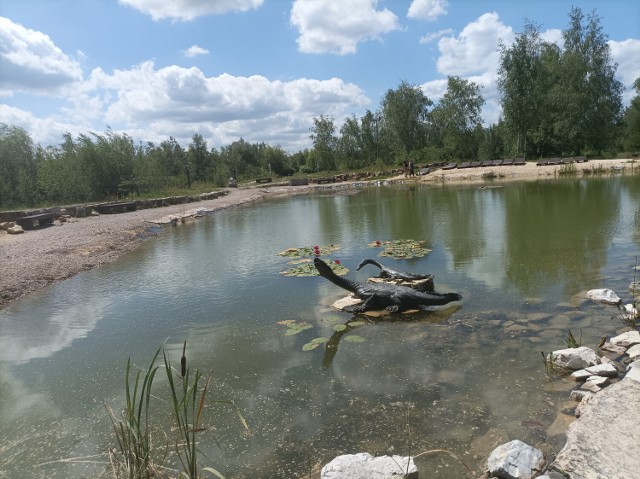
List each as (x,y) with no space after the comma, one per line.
(337,26)
(553,35)
(187,10)
(434,36)
(475,50)
(194,51)
(627,55)
(427,9)
(31,62)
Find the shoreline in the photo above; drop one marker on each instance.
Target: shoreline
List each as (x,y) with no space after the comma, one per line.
(41,257)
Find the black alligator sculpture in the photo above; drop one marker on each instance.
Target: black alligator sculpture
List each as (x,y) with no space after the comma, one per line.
(390,273)
(391,297)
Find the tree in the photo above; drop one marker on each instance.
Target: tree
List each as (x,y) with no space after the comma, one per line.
(518,77)
(17,166)
(405,116)
(457,116)
(198,155)
(593,96)
(632,121)
(324,143)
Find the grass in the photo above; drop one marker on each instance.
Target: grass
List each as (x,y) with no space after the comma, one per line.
(137,457)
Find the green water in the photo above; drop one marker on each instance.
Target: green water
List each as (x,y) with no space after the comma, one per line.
(465,378)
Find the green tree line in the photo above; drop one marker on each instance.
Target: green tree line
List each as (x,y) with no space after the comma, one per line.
(556,101)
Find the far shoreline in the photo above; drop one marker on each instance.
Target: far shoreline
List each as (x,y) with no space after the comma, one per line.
(44,256)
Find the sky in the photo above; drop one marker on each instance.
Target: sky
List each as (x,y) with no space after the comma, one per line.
(260,70)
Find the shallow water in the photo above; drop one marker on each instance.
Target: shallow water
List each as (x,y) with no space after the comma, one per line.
(465,378)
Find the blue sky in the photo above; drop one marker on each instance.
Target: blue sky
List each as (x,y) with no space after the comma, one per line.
(259,69)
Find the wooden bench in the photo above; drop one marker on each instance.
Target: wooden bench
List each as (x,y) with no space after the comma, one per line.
(325,179)
(263,180)
(30,222)
(109,208)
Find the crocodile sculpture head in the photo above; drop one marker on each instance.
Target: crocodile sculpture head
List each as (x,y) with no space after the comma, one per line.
(391,297)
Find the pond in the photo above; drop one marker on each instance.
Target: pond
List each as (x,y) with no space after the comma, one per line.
(464,378)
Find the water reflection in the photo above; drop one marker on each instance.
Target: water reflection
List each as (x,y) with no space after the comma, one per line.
(464,379)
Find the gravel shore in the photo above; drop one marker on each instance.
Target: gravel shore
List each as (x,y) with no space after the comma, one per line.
(43,256)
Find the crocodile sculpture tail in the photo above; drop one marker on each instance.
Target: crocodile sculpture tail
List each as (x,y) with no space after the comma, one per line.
(327,273)
(369,261)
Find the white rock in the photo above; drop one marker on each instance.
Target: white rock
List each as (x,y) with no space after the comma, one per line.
(626,339)
(581,375)
(580,395)
(595,384)
(634,352)
(575,358)
(633,373)
(608,370)
(365,466)
(516,460)
(15,230)
(604,296)
(605,441)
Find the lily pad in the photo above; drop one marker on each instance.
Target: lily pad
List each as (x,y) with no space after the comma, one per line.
(308,269)
(339,327)
(355,324)
(309,251)
(314,343)
(293,327)
(401,249)
(354,338)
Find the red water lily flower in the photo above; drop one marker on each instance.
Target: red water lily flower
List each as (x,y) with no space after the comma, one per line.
(337,261)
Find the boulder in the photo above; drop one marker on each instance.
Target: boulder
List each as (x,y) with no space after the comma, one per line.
(574,358)
(15,230)
(365,466)
(6,225)
(516,460)
(601,444)
(606,296)
(626,339)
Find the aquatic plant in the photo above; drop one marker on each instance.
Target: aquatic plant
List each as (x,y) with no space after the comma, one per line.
(305,267)
(309,251)
(136,456)
(401,249)
(570,340)
(132,431)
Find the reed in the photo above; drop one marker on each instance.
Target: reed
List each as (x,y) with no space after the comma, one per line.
(133,457)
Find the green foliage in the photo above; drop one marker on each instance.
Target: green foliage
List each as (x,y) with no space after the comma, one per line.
(133,432)
(401,249)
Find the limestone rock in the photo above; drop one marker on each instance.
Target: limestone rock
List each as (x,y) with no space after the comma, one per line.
(626,339)
(634,372)
(15,230)
(601,445)
(575,358)
(365,466)
(6,225)
(595,383)
(516,460)
(606,370)
(604,296)
(634,352)
(580,395)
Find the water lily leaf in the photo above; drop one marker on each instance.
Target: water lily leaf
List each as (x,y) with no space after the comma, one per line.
(354,338)
(295,328)
(308,269)
(401,249)
(314,343)
(355,324)
(339,327)
(286,322)
(309,251)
